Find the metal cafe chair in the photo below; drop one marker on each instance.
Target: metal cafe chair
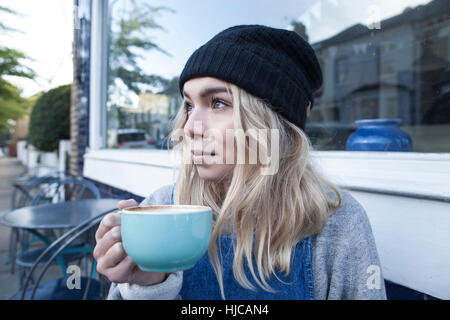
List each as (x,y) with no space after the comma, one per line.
(25,187)
(24,183)
(69,188)
(36,171)
(24,190)
(59,289)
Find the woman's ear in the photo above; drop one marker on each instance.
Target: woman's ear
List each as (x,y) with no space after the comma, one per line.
(309,109)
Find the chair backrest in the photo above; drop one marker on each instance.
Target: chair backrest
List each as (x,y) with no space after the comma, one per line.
(68,188)
(24,192)
(55,249)
(37,171)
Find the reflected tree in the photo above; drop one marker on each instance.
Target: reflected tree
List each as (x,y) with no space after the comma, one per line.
(133,23)
(129,35)
(171,89)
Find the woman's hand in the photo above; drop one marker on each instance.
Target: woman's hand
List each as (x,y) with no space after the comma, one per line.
(112,260)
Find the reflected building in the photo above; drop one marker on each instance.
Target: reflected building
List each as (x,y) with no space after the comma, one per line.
(155,114)
(398,71)
(151,114)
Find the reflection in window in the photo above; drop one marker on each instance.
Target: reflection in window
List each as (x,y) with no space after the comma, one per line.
(398,71)
(342,70)
(398,67)
(137,99)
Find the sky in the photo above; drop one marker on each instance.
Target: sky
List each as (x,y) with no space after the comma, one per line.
(47,29)
(46,34)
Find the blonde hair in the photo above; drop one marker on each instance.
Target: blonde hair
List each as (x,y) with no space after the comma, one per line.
(269,214)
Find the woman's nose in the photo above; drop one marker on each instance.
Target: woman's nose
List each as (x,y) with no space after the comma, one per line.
(196,124)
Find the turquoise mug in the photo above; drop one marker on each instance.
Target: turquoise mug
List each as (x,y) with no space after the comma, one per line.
(166,238)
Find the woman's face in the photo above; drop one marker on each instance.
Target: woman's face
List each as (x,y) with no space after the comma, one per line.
(210,113)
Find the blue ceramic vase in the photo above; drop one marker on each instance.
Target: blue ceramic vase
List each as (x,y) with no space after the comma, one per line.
(379,135)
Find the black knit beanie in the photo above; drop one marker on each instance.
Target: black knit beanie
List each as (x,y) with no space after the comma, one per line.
(273,64)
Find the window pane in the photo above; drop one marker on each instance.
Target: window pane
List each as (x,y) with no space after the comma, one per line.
(387,61)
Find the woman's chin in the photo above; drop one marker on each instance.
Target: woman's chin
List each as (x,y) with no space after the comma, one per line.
(214,172)
(208,173)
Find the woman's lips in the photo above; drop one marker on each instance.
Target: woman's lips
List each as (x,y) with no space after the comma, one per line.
(202,159)
(200,152)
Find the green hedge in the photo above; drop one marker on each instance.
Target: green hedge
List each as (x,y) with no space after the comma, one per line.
(50,119)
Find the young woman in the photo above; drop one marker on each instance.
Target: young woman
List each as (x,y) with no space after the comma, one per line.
(281,230)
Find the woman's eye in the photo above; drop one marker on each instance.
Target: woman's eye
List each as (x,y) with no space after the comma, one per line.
(187,107)
(219,103)
(216,102)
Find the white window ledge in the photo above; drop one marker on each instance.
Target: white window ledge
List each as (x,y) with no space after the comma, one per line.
(137,171)
(417,175)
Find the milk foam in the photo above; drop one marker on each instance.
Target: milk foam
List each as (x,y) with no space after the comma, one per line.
(168,211)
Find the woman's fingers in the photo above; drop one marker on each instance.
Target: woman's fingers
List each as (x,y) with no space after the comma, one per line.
(107,241)
(111,258)
(127,203)
(108,222)
(113,219)
(121,272)
(127,271)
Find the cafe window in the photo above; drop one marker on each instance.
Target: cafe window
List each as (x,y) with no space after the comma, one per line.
(394,68)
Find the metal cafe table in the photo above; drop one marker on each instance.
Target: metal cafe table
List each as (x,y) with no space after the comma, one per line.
(60,215)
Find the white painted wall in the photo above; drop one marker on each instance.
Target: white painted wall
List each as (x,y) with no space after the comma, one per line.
(413,240)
